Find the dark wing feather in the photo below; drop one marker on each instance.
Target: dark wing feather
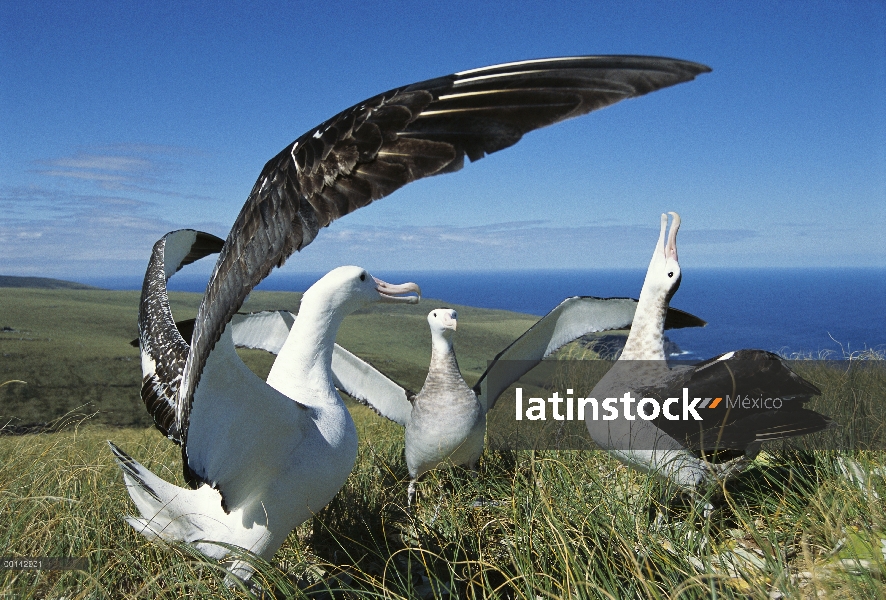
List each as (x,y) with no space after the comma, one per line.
(160,340)
(385,142)
(752,374)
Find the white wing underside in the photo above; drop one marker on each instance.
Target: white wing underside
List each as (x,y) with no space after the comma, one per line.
(571,319)
(354,376)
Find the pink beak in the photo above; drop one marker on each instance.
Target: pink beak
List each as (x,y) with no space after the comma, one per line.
(392,293)
(671,248)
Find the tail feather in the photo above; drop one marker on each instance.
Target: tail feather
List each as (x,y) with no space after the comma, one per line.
(133,473)
(173,513)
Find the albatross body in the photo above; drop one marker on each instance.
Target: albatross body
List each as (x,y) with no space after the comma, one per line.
(270,454)
(448,421)
(360,155)
(695,443)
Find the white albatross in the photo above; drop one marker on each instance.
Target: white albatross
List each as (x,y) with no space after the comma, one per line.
(272,454)
(445,422)
(666,438)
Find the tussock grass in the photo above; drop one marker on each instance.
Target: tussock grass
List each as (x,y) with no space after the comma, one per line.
(555,524)
(801,522)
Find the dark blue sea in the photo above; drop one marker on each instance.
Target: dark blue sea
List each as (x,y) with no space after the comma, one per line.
(782,310)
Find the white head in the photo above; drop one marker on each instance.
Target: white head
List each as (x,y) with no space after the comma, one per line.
(663,275)
(347,289)
(443,321)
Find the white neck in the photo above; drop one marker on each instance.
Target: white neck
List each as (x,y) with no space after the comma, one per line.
(440,344)
(305,360)
(646,339)
(444,365)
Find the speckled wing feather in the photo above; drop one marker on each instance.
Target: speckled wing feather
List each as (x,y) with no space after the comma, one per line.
(385,142)
(162,346)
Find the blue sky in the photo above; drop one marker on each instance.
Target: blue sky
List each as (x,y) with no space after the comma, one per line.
(120,121)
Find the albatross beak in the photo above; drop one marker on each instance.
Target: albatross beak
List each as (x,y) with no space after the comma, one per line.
(671,249)
(391,293)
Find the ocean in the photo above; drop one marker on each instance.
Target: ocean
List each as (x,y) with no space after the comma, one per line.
(808,311)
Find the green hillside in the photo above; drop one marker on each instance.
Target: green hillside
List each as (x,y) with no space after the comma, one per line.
(72,347)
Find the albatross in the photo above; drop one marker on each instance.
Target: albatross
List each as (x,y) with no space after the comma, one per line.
(271,454)
(445,422)
(701,424)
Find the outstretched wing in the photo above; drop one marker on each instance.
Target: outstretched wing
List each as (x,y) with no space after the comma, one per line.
(266,330)
(385,142)
(571,319)
(351,374)
(748,397)
(369,386)
(163,349)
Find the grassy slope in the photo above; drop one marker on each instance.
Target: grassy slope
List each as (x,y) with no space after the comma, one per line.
(569,523)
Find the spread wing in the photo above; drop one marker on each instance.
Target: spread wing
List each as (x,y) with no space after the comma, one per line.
(265,330)
(163,349)
(369,150)
(571,319)
(365,383)
(761,399)
(354,376)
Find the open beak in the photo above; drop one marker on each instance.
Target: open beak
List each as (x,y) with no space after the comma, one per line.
(394,293)
(671,249)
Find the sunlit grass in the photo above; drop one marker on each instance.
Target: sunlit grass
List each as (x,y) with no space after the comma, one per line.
(801,522)
(555,524)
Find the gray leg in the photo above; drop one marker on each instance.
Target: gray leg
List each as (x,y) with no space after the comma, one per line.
(411,498)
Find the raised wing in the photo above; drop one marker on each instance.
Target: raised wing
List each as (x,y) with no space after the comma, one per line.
(162,346)
(385,142)
(354,376)
(365,383)
(571,319)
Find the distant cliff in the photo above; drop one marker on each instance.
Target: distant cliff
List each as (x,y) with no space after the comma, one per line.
(11,281)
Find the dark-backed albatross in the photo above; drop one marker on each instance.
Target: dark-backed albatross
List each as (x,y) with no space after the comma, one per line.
(707,421)
(272,454)
(445,422)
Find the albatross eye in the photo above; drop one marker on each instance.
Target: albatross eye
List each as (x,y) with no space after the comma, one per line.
(671,274)
(363,276)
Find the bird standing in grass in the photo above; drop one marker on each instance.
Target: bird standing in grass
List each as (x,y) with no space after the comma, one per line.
(702,423)
(445,422)
(268,455)
(362,154)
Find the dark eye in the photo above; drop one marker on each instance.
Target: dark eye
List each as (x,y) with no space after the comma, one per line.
(435,315)
(363,276)
(671,274)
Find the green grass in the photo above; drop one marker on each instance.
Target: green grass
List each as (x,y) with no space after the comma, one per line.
(571,524)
